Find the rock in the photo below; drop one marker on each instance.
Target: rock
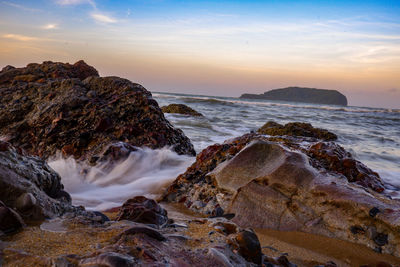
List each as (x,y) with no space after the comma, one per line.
(288,185)
(10,221)
(302,94)
(25,202)
(28,184)
(333,157)
(109,259)
(296,129)
(180,109)
(54,107)
(143,210)
(247,244)
(150,232)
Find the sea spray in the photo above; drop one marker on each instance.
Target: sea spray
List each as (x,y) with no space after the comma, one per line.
(144,172)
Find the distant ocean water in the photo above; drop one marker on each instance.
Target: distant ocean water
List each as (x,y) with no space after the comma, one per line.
(372,135)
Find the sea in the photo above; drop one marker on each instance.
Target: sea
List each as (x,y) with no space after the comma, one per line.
(371,135)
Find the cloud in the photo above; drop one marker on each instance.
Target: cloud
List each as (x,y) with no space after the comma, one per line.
(19,37)
(102,18)
(20,6)
(76,2)
(50,26)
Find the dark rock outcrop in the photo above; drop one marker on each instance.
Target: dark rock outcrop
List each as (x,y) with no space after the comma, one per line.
(10,221)
(30,186)
(143,210)
(180,109)
(52,107)
(302,94)
(291,184)
(296,129)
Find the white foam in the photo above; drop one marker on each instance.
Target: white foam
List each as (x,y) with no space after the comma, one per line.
(145,172)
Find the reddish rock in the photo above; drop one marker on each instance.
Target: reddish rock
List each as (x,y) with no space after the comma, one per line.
(143,210)
(291,184)
(53,106)
(247,244)
(333,157)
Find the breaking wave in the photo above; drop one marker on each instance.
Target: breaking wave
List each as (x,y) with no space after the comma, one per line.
(145,172)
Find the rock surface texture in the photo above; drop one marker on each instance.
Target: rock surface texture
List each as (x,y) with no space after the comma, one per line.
(301,94)
(50,107)
(187,242)
(30,186)
(180,109)
(291,183)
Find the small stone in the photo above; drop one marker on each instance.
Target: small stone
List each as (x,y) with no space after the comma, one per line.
(381,239)
(143,210)
(150,232)
(248,245)
(374,211)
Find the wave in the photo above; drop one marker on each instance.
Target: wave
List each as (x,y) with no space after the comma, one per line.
(230,101)
(145,172)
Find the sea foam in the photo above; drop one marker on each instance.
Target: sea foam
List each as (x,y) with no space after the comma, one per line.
(145,172)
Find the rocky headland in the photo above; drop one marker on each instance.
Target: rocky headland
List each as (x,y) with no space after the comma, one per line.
(302,94)
(285,195)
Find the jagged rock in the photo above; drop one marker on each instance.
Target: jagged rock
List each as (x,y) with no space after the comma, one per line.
(143,210)
(50,107)
(296,129)
(180,109)
(269,182)
(28,184)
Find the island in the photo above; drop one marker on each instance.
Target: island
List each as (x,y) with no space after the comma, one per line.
(302,94)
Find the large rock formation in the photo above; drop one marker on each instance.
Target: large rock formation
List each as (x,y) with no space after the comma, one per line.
(301,94)
(291,183)
(54,106)
(30,186)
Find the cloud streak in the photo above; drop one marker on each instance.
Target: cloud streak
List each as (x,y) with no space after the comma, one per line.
(19,37)
(76,2)
(50,26)
(102,18)
(11,4)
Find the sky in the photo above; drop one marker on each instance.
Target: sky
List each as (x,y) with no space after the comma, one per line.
(223,48)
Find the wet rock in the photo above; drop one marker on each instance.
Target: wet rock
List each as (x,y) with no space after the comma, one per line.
(109,259)
(180,109)
(150,232)
(247,244)
(51,107)
(296,129)
(10,221)
(25,202)
(280,183)
(333,157)
(143,210)
(31,186)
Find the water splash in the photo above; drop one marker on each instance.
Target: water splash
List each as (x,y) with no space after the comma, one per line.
(145,172)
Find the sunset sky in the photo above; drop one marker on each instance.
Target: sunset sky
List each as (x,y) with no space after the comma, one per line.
(217,47)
